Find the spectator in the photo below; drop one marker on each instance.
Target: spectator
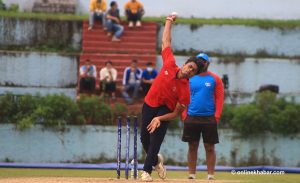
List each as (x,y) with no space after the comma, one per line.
(131,80)
(134,11)
(113,22)
(97,12)
(108,77)
(149,74)
(88,76)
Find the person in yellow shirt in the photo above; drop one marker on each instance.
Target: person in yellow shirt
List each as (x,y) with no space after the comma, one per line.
(134,11)
(97,12)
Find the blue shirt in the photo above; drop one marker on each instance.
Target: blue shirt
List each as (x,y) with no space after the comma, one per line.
(202,95)
(149,75)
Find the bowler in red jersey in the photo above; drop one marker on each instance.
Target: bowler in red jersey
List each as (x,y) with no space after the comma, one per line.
(167,98)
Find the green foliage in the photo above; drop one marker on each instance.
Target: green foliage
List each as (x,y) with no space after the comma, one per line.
(248,119)
(8,107)
(105,115)
(44,16)
(266,113)
(26,105)
(2,5)
(27,110)
(227,116)
(119,109)
(55,110)
(286,121)
(14,8)
(25,123)
(262,23)
(90,107)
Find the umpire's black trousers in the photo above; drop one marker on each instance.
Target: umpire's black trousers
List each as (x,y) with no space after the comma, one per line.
(152,142)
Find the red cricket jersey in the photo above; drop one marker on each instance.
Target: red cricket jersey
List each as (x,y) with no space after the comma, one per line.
(166,88)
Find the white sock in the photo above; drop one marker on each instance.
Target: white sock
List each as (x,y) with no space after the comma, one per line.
(209,176)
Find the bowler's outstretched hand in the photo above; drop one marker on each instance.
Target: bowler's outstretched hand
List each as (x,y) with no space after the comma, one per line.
(155,123)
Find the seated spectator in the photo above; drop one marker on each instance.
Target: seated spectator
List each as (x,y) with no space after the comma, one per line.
(113,22)
(87,77)
(131,80)
(108,77)
(149,74)
(97,12)
(134,11)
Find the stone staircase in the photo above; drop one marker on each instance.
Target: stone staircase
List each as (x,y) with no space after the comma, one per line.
(136,43)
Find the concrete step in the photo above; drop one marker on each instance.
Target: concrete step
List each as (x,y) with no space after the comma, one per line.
(117,56)
(128,38)
(116,49)
(116,63)
(119,45)
(145,25)
(95,33)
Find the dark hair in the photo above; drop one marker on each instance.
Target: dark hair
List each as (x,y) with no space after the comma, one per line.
(134,61)
(113,3)
(199,62)
(149,64)
(87,60)
(108,62)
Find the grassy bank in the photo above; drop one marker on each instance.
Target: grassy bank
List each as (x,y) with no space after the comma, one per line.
(43,16)
(263,23)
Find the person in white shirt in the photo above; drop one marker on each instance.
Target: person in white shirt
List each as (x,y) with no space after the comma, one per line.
(108,78)
(87,77)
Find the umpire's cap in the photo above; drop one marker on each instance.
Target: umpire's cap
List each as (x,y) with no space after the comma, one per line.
(203,56)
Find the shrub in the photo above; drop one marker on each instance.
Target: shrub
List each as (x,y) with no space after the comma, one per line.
(286,121)
(248,119)
(56,110)
(8,108)
(227,116)
(266,113)
(118,110)
(26,105)
(14,8)
(105,115)
(25,123)
(2,5)
(94,111)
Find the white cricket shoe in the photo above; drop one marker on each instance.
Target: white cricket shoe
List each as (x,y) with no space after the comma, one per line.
(146,177)
(210,177)
(160,168)
(192,176)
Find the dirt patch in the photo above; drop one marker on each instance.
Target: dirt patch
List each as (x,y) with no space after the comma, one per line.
(97,180)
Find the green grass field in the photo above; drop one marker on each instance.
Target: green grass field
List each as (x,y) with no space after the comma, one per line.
(111,174)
